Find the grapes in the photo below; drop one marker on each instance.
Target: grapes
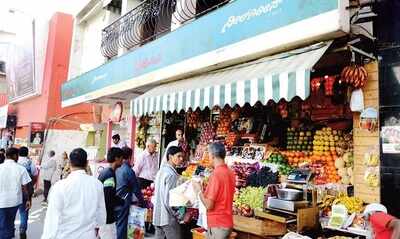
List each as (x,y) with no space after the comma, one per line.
(251,196)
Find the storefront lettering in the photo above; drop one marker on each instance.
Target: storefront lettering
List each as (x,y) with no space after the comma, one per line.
(99,77)
(143,64)
(252,13)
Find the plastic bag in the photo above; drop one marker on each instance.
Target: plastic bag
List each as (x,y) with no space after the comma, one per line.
(292,235)
(136,222)
(202,221)
(183,195)
(357,101)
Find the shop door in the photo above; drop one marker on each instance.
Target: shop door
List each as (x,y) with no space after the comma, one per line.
(389,76)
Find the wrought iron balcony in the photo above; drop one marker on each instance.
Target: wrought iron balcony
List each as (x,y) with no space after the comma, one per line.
(151,19)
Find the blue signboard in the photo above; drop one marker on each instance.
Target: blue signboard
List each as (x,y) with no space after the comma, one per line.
(235,22)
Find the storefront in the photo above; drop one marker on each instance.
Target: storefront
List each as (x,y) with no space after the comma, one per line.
(282,118)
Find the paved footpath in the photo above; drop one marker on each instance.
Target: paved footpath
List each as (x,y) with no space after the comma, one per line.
(36,220)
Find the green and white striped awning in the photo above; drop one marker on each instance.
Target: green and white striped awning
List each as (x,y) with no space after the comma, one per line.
(281,76)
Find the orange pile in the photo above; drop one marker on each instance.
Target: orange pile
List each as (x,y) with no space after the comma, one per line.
(205,161)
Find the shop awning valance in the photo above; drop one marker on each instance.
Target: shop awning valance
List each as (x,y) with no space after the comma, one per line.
(281,76)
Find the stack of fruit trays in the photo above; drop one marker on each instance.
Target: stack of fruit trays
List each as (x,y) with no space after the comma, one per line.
(193,119)
(224,123)
(299,139)
(207,133)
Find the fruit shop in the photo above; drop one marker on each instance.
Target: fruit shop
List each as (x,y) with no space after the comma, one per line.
(300,132)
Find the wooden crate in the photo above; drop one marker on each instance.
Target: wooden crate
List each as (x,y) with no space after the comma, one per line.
(259,227)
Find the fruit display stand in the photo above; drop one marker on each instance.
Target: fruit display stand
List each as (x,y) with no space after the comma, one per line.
(246,226)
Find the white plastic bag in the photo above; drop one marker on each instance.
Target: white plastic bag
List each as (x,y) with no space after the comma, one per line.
(182,195)
(202,221)
(357,101)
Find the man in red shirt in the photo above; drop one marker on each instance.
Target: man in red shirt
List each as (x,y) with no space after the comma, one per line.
(384,225)
(218,196)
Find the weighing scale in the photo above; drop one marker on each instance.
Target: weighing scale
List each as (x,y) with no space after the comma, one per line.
(298,179)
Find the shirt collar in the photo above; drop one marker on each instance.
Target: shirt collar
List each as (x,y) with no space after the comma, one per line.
(80,171)
(169,166)
(9,161)
(148,154)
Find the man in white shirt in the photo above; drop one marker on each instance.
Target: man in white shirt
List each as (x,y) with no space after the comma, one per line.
(76,204)
(146,166)
(48,167)
(179,142)
(13,180)
(117,142)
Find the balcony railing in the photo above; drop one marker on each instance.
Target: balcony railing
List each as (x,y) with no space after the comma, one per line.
(151,19)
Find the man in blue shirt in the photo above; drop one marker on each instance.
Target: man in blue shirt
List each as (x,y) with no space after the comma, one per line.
(127,185)
(108,178)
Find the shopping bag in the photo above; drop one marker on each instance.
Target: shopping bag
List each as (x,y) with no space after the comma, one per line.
(136,222)
(183,195)
(357,101)
(202,221)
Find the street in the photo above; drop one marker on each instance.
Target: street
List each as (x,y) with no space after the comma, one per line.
(36,220)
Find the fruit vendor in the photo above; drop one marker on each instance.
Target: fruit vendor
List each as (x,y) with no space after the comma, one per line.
(384,226)
(179,142)
(218,196)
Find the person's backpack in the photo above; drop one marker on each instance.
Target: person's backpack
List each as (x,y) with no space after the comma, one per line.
(28,167)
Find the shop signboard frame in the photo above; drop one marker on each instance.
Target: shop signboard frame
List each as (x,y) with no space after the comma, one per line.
(36,135)
(236,32)
(20,70)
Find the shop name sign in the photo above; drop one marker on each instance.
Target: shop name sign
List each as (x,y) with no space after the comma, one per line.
(252,13)
(238,30)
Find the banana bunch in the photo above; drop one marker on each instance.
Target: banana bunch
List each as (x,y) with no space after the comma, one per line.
(353,204)
(354,75)
(327,202)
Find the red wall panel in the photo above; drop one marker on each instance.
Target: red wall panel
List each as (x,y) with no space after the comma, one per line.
(47,106)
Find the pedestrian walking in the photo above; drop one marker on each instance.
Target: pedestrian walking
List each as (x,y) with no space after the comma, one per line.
(47,169)
(13,182)
(164,218)
(108,179)
(117,142)
(218,196)
(76,204)
(61,163)
(30,167)
(129,190)
(146,166)
(67,169)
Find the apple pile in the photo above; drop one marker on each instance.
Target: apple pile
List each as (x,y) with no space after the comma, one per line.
(207,133)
